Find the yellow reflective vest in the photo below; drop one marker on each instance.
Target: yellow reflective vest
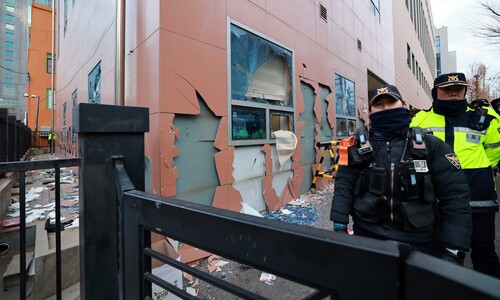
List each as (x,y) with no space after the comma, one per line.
(477,146)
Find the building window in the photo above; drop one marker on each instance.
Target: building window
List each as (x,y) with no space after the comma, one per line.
(413,63)
(49,64)
(10,18)
(9,62)
(9,90)
(9,44)
(65,15)
(9,80)
(74,98)
(48,96)
(8,72)
(9,26)
(9,35)
(9,102)
(375,9)
(95,84)
(261,86)
(345,106)
(64,114)
(408,56)
(438,63)
(438,42)
(10,1)
(10,8)
(9,53)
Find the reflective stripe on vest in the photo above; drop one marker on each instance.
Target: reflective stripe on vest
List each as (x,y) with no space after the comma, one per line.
(483,203)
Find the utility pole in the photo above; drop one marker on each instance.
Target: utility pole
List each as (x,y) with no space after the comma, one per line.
(477,85)
(36,116)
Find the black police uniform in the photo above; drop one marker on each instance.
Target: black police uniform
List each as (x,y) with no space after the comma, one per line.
(394,198)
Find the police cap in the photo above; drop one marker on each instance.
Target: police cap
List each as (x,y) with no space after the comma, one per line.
(450,79)
(384,90)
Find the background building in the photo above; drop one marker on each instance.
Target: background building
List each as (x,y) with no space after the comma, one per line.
(446,61)
(39,104)
(13,55)
(220,77)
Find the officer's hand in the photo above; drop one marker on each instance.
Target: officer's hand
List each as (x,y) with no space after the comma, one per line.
(454,256)
(339,227)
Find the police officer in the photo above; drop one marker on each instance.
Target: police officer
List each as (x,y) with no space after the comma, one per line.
(393,180)
(495,103)
(474,136)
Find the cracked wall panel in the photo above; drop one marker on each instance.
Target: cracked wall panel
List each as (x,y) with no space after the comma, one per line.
(270,195)
(178,95)
(198,178)
(272,201)
(330,99)
(294,188)
(305,49)
(200,64)
(152,144)
(317,104)
(224,164)
(146,77)
(221,139)
(168,151)
(227,197)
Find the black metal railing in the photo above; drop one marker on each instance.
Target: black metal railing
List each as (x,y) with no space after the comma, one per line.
(22,167)
(336,265)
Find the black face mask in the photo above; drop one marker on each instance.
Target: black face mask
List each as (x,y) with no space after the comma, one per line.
(388,124)
(449,107)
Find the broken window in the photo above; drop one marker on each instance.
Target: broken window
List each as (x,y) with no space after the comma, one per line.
(261,87)
(345,106)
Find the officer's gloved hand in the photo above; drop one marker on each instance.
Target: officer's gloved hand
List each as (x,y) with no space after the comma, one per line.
(454,256)
(339,227)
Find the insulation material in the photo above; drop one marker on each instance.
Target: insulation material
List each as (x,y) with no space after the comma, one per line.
(286,142)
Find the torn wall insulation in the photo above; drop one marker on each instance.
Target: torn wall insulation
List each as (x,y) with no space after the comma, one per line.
(307,136)
(195,162)
(253,60)
(326,126)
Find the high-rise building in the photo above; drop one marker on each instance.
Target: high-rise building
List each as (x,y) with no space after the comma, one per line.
(13,55)
(446,61)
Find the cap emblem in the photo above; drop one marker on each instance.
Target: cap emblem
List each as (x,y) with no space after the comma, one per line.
(453,78)
(382,90)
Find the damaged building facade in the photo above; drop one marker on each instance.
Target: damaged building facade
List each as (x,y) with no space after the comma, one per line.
(240,91)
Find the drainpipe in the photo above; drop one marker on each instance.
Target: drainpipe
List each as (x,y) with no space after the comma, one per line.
(120,53)
(53,94)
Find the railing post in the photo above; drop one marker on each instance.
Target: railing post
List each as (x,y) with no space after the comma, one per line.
(3,134)
(105,131)
(11,136)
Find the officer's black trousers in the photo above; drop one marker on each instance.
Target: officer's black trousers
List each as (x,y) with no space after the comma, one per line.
(483,255)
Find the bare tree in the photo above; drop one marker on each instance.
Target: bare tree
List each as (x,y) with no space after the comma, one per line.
(476,88)
(489,28)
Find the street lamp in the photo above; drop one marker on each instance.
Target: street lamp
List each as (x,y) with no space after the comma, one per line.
(36,115)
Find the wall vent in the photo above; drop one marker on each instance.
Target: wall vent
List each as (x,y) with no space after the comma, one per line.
(323,13)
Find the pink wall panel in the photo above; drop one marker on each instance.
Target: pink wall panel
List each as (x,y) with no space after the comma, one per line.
(142,21)
(281,9)
(147,73)
(304,16)
(247,13)
(280,31)
(201,20)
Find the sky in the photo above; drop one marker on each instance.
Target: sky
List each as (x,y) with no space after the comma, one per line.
(460,16)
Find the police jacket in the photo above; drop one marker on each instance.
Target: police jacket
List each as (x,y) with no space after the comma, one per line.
(476,145)
(404,193)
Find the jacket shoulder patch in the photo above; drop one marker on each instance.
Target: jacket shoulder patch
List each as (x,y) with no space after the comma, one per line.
(453,159)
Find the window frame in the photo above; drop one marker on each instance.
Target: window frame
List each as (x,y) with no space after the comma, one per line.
(48,57)
(269,109)
(340,116)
